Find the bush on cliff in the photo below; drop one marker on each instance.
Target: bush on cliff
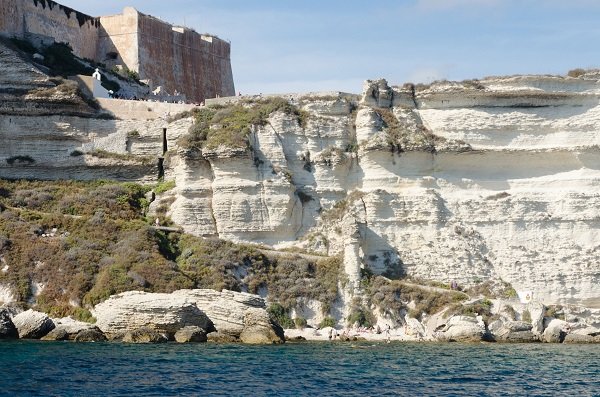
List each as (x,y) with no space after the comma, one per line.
(230,125)
(60,59)
(281,316)
(393,297)
(219,264)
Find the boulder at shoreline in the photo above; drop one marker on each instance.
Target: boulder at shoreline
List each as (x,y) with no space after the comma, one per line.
(235,316)
(68,329)
(165,313)
(190,333)
(32,324)
(144,335)
(7,328)
(260,329)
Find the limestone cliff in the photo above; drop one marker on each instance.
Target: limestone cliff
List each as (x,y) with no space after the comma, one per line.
(492,179)
(465,181)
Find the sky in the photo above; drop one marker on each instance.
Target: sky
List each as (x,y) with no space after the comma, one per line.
(282,46)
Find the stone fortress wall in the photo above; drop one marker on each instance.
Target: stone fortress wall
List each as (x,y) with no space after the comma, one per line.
(35,18)
(176,58)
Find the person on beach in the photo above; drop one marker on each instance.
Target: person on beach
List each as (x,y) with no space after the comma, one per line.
(330,333)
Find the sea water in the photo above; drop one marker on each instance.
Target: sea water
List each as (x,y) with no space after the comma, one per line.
(34,368)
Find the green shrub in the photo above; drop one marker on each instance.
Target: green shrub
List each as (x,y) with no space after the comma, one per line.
(526,316)
(164,186)
(23,45)
(20,160)
(60,59)
(280,315)
(481,308)
(576,72)
(360,315)
(300,322)
(110,85)
(327,322)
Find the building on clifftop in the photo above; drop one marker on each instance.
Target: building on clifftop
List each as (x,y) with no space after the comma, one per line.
(174,58)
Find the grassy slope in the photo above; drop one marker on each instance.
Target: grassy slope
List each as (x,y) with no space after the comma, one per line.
(103,245)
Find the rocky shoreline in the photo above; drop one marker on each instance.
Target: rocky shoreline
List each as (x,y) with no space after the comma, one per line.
(140,317)
(203,315)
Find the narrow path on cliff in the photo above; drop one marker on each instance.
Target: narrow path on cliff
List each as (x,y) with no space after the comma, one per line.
(41,212)
(311,257)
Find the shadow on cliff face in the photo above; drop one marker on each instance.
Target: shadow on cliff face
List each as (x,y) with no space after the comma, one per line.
(380,256)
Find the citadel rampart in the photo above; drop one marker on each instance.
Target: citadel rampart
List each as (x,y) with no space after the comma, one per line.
(175,58)
(34,19)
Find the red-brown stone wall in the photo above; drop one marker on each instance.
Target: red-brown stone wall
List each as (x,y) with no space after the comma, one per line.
(181,59)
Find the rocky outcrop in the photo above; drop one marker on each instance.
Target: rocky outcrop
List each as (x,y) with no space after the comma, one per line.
(33,325)
(190,334)
(226,309)
(57,334)
(7,328)
(90,335)
(580,339)
(438,181)
(236,316)
(68,329)
(461,329)
(165,313)
(556,331)
(218,337)
(513,331)
(144,335)
(260,329)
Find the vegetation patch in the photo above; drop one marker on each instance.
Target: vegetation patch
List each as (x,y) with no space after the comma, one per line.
(20,160)
(360,315)
(401,137)
(341,207)
(219,264)
(164,186)
(103,154)
(23,45)
(576,72)
(327,322)
(281,315)
(479,308)
(392,297)
(60,59)
(230,126)
(493,289)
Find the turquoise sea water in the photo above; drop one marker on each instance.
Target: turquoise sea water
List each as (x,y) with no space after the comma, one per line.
(326,369)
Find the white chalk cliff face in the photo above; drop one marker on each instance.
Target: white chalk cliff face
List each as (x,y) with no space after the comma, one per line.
(492,179)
